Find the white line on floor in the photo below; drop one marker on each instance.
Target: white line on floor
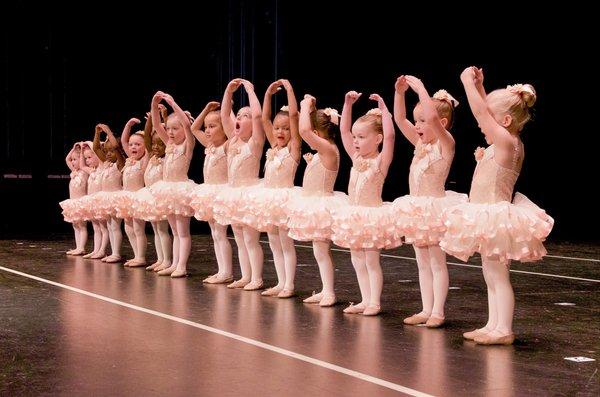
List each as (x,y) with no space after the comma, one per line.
(262,345)
(463,265)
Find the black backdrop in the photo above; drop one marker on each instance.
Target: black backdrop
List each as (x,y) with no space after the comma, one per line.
(66,67)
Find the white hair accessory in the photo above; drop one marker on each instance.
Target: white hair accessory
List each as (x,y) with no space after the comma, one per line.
(333,115)
(443,95)
(520,89)
(285,108)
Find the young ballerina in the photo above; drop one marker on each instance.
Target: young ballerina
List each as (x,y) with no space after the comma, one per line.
(109,152)
(72,207)
(492,223)
(133,181)
(90,203)
(419,215)
(364,224)
(172,193)
(246,141)
(267,201)
(213,138)
(309,211)
(144,200)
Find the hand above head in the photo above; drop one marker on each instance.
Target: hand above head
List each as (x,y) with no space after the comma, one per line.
(212,106)
(414,83)
(478,75)
(401,85)
(248,86)
(286,84)
(274,87)
(309,102)
(469,75)
(379,99)
(233,85)
(132,121)
(351,97)
(158,97)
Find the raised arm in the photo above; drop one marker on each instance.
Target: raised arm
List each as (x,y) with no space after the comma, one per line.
(113,140)
(258,133)
(307,132)
(406,127)
(82,164)
(156,121)
(184,118)
(478,105)
(70,155)
(389,135)
(199,122)
(127,133)
(266,111)
(227,107)
(97,146)
(346,122)
(148,133)
(295,140)
(432,117)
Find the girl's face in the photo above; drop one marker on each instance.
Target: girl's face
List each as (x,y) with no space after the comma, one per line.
(281,130)
(158,146)
(365,139)
(243,123)
(423,129)
(110,151)
(136,146)
(89,158)
(213,128)
(175,130)
(74,159)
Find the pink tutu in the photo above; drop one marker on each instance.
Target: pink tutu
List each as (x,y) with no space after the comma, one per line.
(419,218)
(309,217)
(73,210)
(171,198)
(267,207)
(106,204)
(231,205)
(359,227)
(144,206)
(503,230)
(125,204)
(202,200)
(91,207)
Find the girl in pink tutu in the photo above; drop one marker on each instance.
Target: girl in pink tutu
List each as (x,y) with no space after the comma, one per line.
(171,194)
(144,200)
(364,224)
(72,207)
(91,165)
(110,153)
(215,142)
(267,201)
(419,215)
(309,211)
(133,181)
(492,223)
(244,150)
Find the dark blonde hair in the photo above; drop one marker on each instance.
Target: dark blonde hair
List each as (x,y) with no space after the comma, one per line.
(322,123)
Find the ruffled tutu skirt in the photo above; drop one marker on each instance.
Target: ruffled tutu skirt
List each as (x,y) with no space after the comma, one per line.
(231,205)
(359,227)
(310,217)
(267,207)
(126,203)
(93,206)
(169,198)
(202,200)
(503,231)
(419,218)
(73,210)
